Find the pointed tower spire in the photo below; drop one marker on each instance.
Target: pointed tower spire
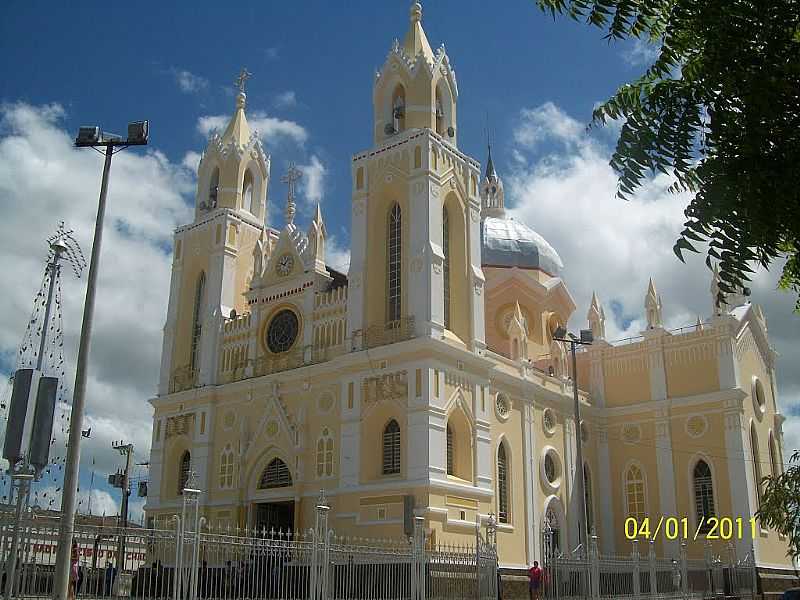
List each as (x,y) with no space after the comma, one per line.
(316,240)
(416,41)
(597,318)
(652,305)
(698,326)
(492,195)
(238,130)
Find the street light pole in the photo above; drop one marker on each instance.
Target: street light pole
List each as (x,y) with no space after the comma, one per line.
(586,339)
(87,137)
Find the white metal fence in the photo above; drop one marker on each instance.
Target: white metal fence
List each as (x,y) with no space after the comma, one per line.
(189,561)
(581,575)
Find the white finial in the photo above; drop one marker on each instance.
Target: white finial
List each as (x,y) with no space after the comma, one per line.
(241,97)
(293,174)
(597,318)
(652,305)
(416,12)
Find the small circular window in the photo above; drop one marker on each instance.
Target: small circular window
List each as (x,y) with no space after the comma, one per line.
(502,406)
(759,400)
(548,421)
(282,331)
(551,468)
(631,434)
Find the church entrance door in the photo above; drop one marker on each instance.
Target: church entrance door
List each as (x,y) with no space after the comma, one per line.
(275,515)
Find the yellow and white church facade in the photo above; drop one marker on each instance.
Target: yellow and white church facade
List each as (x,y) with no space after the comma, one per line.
(426,381)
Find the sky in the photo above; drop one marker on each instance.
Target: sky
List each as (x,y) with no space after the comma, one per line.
(530,80)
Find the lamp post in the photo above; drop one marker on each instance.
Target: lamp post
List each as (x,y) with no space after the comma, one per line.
(586,338)
(88,137)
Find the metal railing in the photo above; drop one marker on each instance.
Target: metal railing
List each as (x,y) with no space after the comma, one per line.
(583,575)
(182,378)
(187,560)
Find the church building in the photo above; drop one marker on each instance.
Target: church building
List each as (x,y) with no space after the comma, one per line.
(426,381)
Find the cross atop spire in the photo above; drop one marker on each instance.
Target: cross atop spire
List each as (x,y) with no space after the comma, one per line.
(293,174)
(244,75)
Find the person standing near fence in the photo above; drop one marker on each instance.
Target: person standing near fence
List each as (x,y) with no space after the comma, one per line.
(74,572)
(535,581)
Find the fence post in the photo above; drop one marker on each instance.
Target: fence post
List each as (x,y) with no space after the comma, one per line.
(318,586)
(754,585)
(651,559)
(176,580)
(418,591)
(637,582)
(594,558)
(684,572)
(709,567)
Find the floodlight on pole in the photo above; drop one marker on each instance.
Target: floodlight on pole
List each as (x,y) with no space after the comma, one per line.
(586,338)
(88,137)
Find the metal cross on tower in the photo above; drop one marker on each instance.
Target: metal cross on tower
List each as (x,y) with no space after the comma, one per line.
(244,75)
(293,174)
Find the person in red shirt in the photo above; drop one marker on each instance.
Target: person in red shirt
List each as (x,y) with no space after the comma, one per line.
(535,581)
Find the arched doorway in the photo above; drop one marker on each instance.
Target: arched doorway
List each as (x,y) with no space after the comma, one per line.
(274,514)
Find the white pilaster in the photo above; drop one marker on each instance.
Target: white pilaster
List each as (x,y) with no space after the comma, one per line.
(531,522)
(740,475)
(350,447)
(357,284)
(607,529)
(666,478)
(168,345)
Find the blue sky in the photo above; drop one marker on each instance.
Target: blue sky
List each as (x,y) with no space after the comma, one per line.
(69,64)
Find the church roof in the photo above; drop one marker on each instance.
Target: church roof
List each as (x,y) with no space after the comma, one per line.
(509,243)
(238,130)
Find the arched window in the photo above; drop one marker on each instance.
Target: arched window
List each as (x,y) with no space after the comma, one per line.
(417,157)
(325,454)
(587,494)
(213,189)
(226,467)
(502,485)
(394,282)
(197,321)
(703,494)
(551,521)
(450,468)
(391,448)
(756,461)
(773,456)
(439,113)
(276,475)
(247,192)
(635,490)
(446,265)
(184,468)
(399,109)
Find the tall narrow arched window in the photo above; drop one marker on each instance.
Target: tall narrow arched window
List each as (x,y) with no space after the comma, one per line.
(184,468)
(247,192)
(450,466)
(756,461)
(399,109)
(325,454)
(587,493)
(635,493)
(502,485)
(197,321)
(773,456)
(446,265)
(275,475)
(703,494)
(439,113)
(394,276)
(226,468)
(213,188)
(391,448)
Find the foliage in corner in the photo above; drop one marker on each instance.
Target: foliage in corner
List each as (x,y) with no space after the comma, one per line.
(719,110)
(780,504)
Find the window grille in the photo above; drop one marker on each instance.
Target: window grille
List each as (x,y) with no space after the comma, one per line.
(502,485)
(450,469)
(197,322)
(635,493)
(276,475)
(703,494)
(446,265)
(394,257)
(391,448)
(184,469)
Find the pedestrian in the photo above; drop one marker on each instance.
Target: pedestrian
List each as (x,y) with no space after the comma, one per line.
(74,572)
(535,581)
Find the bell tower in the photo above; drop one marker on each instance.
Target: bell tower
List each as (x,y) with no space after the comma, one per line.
(213,255)
(416,255)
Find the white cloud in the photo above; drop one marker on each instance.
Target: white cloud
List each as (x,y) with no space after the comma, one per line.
(44,179)
(546,123)
(189,83)
(271,130)
(285,99)
(271,53)
(567,194)
(640,53)
(191,160)
(336,255)
(312,185)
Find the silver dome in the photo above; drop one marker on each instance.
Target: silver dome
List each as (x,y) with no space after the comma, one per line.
(510,243)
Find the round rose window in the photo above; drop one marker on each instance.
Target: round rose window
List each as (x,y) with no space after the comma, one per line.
(282,331)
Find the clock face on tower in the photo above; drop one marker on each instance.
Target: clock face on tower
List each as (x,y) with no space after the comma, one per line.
(284,265)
